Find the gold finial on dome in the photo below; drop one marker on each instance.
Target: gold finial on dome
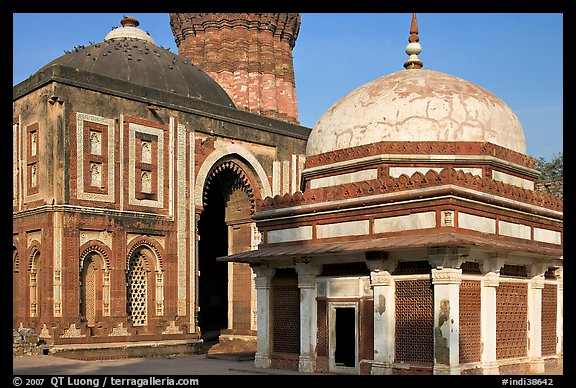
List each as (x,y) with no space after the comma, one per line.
(413,48)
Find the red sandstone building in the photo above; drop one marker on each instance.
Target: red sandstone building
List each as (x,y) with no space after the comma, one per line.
(134,170)
(163,198)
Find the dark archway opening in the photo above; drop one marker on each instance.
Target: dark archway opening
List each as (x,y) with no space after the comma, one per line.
(213,281)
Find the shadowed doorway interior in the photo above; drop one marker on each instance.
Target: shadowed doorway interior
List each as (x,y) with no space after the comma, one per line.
(225,227)
(345,353)
(213,282)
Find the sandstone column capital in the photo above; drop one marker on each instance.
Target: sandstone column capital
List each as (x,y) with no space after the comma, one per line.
(492,264)
(446,276)
(537,282)
(380,278)
(537,269)
(559,275)
(307,273)
(263,274)
(491,279)
(381,264)
(447,256)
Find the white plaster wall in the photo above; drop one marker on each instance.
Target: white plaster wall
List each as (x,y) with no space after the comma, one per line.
(290,234)
(276,170)
(472,222)
(512,180)
(514,230)
(285,177)
(334,180)
(340,229)
(344,287)
(395,172)
(407,222)
(545,235)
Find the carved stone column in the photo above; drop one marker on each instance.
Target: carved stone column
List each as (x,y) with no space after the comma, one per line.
(491,270)
(382,285)
(535,287)
(262,282)
(446,282)
(307,274)
(559,274)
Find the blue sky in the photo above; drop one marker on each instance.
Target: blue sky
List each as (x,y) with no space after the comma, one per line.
(516,56)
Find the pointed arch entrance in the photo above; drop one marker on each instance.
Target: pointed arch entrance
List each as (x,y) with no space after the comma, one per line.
(225,226)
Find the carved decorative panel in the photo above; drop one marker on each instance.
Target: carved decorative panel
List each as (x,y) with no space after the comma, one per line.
(470,322)
(286,316)
(242,294)
(94,149)
(366,329)
(147,164)
(417,181)
(549,317)
(511,320)
(137,291)
(95,142)
(414,321)
(322,335)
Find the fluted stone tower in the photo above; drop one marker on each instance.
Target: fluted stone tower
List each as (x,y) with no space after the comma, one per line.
(248,54)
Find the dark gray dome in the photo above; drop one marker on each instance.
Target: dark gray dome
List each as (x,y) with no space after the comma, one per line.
(133,57)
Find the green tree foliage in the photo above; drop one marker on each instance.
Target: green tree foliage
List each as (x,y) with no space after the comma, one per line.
(550,169)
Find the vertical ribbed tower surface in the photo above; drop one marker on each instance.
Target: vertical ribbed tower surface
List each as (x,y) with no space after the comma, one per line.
(248,54)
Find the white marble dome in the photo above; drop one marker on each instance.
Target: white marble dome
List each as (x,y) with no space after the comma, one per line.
(129,29)
(417,105)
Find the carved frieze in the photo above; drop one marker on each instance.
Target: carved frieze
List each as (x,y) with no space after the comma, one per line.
(380,278)
(446,276)
(417,181)
(420,148)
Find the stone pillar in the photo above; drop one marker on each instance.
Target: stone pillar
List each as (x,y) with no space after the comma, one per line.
(488,322)
(253,303)
(382,285)
(195,279)
(535,287)
(559,274)
(307,274)
(264,315)
(446,282)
